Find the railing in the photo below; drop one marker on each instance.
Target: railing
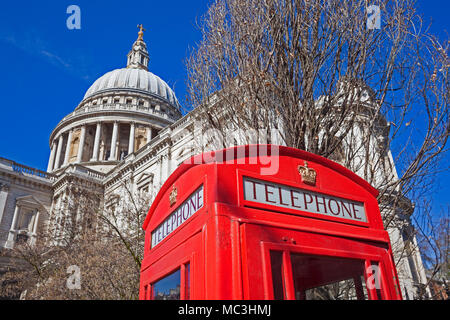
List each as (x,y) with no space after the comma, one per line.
(120,106)
(22,169)
(87,172)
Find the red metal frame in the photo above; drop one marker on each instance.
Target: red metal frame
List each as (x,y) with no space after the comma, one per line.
(227,241)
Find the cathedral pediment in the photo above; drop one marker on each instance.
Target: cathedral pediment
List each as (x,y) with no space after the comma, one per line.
(144,178)
(29,201)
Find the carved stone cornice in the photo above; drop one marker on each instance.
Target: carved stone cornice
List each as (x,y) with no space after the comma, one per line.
(79,175)
(25,176)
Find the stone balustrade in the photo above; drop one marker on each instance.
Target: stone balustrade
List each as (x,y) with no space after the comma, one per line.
(25,170)
(86,172)
(119,107)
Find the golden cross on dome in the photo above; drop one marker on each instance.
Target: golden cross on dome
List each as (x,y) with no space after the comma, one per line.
(141,31)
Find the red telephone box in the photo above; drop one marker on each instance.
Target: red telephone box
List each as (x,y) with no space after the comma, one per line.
(222,227)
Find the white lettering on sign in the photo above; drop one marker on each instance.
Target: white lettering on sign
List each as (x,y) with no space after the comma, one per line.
(178,217)
(303,200)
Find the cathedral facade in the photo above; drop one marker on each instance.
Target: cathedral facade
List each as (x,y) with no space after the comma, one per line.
(128,127)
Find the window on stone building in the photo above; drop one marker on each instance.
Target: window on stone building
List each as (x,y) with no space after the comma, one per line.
(184,155)
(144,190)
(26,220)
(129,101)
(112,203)
(22,238)
(144,185)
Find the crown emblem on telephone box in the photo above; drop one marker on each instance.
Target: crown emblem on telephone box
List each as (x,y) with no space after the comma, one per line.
(308,174)
(173,196)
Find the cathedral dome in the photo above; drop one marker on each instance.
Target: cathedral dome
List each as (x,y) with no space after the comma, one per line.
(121,112)
(135,79)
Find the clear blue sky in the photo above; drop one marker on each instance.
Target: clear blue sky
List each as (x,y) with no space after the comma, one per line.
(46,68)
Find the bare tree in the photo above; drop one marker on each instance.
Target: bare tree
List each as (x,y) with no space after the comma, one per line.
(105,245)
(125,218)
(433,233)
(333,82)
(315,70)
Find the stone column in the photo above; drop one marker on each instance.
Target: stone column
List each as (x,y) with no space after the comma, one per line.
(52,157)
(149,134)
(58,152)
(15,217)
(12,231)
(35,227)
(36,222)
(131,140)
(4,191)
(98,131)
(81,145)
(115,132)
(66,156)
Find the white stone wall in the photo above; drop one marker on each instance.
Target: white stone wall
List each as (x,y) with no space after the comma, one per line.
(30,188)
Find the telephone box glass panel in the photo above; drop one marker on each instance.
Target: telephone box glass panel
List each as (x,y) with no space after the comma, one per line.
(168,288)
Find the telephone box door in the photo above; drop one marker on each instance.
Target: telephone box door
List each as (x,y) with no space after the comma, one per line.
(306,266)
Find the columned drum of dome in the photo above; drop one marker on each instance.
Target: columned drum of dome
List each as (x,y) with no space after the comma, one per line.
(120,113)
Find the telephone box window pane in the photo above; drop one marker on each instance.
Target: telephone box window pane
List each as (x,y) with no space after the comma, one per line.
(361,289)
(276,261)
(146,292)
(327,278)
(341,290)
(188,281)
(168,288)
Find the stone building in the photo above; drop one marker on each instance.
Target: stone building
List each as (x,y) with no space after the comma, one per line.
(128,127)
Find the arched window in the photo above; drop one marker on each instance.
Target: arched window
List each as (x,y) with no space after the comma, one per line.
(25,220)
